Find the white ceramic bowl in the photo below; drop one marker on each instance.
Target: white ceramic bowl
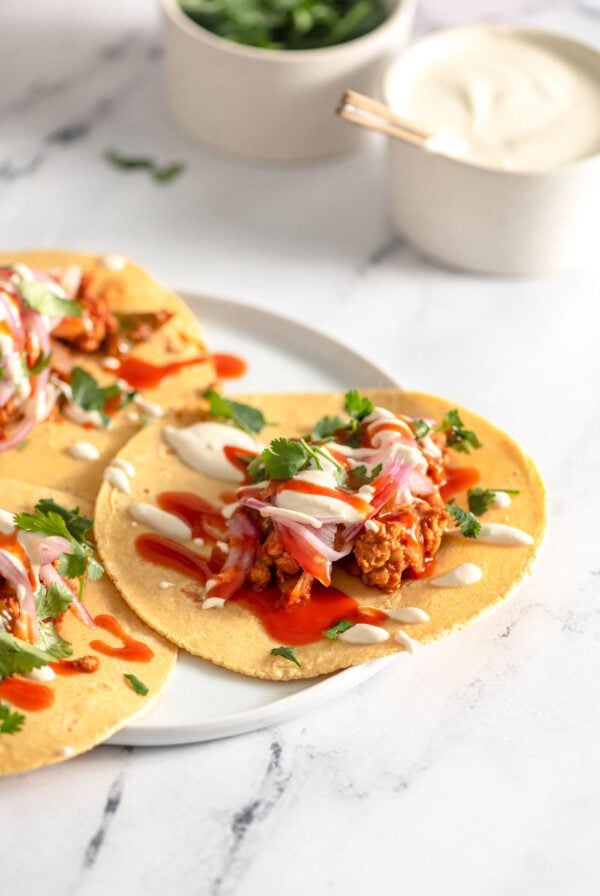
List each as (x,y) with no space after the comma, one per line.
(490,220)
(272,104)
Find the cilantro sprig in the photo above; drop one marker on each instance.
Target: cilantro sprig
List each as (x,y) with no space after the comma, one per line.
(457,437)
(245,417)
(91,396)
(161,174)
(17,657)
(53,601)
(10,722)
(481,499)
(42,298)
(50,518)
(357,407)
(326,427)
(283,458)
(342,626)
(361,476)
(138,686)
(40,365)
(422,428)
(465,520)
(288,653)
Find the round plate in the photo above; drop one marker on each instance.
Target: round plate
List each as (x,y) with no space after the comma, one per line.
(203,701)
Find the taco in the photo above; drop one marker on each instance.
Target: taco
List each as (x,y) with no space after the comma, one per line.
(91,347)
(368,523)
(71,650)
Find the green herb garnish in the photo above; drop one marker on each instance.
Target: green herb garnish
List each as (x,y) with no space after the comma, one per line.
(342,626)
(466,521)
(457,437)
(287,24)
(51,602)
(288,653)
(283,458)
(160,173)
(363,477)
(357,406)
(245,417)
(421,429)
(41,364)
(89,395)
(43,299)
(10,722)
(481,499)
(18,657)
(326,427)
(138,686)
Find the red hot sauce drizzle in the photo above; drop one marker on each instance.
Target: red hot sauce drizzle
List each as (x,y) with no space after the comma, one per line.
(32,696)
(204,519)
(457,480)
(131,650)
(142,374)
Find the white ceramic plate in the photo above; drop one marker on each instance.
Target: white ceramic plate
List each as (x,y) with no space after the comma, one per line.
(203,701)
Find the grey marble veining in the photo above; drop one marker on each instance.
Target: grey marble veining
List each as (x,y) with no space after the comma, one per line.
(471,768)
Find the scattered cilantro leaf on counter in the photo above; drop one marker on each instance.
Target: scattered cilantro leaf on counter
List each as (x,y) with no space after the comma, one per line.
(138,686)
(457,437)
(481,499)
(43,299)
(51,602)
(466,521)
(245,417)
(421,429)
(360,474)
(159,173)
(357,406)
(326,427)
(41,364)
(10,722)
(342,626)
(17,657)
(288,653)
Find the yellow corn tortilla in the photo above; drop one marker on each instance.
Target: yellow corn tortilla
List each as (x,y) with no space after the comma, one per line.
(44,457)
(87,708)
(233,637)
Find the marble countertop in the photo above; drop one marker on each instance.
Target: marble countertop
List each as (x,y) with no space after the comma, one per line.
(471,768)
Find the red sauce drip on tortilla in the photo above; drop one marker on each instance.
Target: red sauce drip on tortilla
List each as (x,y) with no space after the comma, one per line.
(143,375)
(132,650)
(204,519)
(28,695)
(305,620)
(69,667)
(165,552)
(459,479)
(234,455)
(229,367)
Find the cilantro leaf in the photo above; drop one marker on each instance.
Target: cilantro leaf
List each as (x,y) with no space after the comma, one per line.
(244,416)
(19,657)
(467,521)
(363,477)
(421,429)
(138,686)
(41,364)
(288,653)
(51,642)
(73,564)
(481,499)
(89,395)
(10,722)
(457,436)
(285,457)
(159,173)
(51,602)
(43,299)
(357,406)
(77,524)
(326,427)
(342,626)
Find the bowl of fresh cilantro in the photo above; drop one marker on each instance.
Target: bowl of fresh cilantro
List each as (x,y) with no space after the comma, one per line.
(262,78)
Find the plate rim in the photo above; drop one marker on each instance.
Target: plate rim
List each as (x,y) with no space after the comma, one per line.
(323,688)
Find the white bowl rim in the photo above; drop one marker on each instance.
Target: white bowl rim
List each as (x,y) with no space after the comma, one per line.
(171,8)
(524,30)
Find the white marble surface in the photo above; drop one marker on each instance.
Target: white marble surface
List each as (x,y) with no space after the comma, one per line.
(471,768)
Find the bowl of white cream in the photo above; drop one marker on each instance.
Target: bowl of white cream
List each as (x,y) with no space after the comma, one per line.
(510,183)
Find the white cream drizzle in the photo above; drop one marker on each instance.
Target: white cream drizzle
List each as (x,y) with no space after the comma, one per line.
(213,603)
(110,363)
(407,615)
(464,574)
(501,499)
(83,451)
(498,533)
(7,522)
(44,673)
(160,521)
(164,585)
(76,414)
(363,633)
(371,526)
(409,644)
(124,465)
(201,445)
(112,261)
(149,408)
(118,479)
(337,510)
(67,752)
